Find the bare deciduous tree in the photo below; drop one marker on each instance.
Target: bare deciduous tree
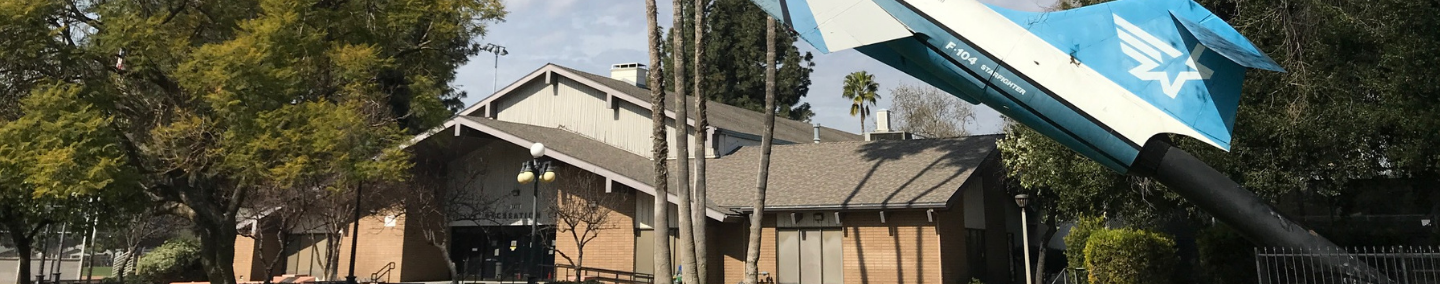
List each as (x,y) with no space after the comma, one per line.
(929,112)
(582,209)
(444,193)
(147,227)
(278,215)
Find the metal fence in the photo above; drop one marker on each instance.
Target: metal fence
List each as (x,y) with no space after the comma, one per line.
(1399,265)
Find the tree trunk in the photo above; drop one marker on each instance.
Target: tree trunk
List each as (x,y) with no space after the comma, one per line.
(579,261)
(752,253)
(217,249)
(658,150)
(454,272)
(862,119)
(123,264)
(1040,264)
(22,248)
(698,194)
(682,151)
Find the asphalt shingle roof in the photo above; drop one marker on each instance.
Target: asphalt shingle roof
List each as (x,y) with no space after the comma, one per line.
(877,174)
(730,117)
(585,149)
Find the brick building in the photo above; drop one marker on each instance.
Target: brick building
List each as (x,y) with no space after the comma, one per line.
(841,208)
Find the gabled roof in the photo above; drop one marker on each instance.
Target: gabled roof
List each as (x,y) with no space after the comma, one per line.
(886,174)
(576,150)
(722,116)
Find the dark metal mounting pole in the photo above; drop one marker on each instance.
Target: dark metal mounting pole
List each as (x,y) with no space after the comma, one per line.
(531,266)
(1232,204)
(355,232)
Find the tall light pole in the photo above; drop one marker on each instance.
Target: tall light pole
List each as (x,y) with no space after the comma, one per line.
(498,50)
(355,232)
(528,172)
(1023,200)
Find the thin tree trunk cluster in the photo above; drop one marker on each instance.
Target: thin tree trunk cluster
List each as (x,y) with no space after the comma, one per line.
(698,196)
(658,150)
(752,252)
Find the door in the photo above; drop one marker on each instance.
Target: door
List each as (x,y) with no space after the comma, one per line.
(809,255)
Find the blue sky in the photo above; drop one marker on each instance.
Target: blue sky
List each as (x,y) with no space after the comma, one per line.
(592,35)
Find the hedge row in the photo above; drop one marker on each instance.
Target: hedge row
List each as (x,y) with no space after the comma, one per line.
(1126,256)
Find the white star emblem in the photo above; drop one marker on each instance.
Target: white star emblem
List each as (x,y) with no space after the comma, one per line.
(1151,52)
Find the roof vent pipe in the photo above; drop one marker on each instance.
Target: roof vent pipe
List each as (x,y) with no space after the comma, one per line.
(817,133)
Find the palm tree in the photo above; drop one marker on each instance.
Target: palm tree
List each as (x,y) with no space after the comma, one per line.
(752,253)
(658,149)
(686,244)
(698,209)
(860,89)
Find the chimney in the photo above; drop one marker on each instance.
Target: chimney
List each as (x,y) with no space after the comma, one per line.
(882,120)
(883,131)
(817,133)
(633,73)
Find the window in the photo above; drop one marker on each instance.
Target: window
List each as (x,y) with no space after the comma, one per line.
(809,255)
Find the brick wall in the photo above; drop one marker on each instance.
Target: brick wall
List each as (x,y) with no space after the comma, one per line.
(246,265)
(249,260)
(904,249)
(950,224)
(422,260)
(728,243)
(907,248)
(379,245)
(614,244)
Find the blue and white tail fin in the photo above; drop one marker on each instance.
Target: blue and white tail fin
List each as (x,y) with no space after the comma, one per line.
(1101,79)
(1174,54)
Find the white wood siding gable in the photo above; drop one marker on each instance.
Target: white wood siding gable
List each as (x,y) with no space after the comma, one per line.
(550,97)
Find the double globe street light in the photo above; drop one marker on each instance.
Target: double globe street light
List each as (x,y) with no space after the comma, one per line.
(529,172)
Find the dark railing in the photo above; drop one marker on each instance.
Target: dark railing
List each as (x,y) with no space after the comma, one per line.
(1400,265)
(564,272)
(384,271)
(1074,275)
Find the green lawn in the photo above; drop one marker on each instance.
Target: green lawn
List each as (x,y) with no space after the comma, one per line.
(101,271)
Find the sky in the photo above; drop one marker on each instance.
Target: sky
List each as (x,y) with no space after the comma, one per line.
(591,35)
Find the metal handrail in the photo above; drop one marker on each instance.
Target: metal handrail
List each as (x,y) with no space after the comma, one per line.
(384,271)
(617,276)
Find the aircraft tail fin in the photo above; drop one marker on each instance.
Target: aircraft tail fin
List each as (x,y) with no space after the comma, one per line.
(1174,54)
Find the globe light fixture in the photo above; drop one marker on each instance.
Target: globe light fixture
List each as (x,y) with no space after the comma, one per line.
(537,150)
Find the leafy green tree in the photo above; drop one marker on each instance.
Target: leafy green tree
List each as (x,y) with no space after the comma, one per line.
(733,59)
(213,102)
(860,88)
(55,160)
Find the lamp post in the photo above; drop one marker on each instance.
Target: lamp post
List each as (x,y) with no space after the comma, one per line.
(354,233)
(498,50)
(1023,200)
(528,173)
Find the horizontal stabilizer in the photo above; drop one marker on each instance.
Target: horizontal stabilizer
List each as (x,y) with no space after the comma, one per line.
(835,25)
(1238,50)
